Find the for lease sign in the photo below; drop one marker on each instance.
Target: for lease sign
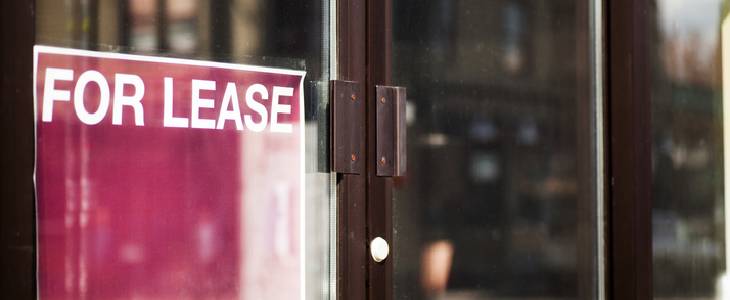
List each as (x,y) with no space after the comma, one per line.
(165,178)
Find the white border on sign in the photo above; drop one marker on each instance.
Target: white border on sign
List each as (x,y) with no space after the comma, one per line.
(163,59)
(35,168)
(302,196)
(37,49)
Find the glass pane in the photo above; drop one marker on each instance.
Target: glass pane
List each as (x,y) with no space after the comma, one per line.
(689,40)
(499,201)
(279,33)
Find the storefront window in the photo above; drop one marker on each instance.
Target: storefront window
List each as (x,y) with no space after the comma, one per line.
(139,243)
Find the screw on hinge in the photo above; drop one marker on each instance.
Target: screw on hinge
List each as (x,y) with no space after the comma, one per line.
(382,161)
(382,99)
(353,97)
(353,157)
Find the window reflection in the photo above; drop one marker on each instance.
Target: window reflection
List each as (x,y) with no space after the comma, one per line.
(687,130)
(494,201)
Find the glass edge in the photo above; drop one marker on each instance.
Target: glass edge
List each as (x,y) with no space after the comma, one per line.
(597,94)
(330,46)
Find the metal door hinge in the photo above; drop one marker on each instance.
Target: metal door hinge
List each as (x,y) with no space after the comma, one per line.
(390,130)
(348,127)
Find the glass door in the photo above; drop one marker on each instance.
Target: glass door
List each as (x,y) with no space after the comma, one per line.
(500,197)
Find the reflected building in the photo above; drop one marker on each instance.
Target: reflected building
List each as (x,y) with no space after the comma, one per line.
(497,91)
(687,149)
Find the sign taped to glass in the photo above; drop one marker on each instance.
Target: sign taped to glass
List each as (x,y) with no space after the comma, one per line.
(166,178)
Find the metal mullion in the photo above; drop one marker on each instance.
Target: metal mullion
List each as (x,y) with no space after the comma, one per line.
(629,160)
(380,189)
(351,188)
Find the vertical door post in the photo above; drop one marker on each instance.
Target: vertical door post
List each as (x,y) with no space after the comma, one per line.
(629,108)
(380,189)
(17,153)
(351,188)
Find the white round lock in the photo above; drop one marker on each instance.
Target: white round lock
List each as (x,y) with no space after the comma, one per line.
(379,249)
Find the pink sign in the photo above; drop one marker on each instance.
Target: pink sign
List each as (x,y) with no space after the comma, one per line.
(165,178)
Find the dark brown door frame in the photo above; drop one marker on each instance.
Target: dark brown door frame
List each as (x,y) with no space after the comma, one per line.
(380,189)
(352,260)
(17,151)
(364,200)
(628,151)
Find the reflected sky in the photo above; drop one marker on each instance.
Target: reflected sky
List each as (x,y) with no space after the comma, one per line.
(693,23)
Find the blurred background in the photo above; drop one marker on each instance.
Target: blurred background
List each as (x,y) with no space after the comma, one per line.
(689,193)
(499,201)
